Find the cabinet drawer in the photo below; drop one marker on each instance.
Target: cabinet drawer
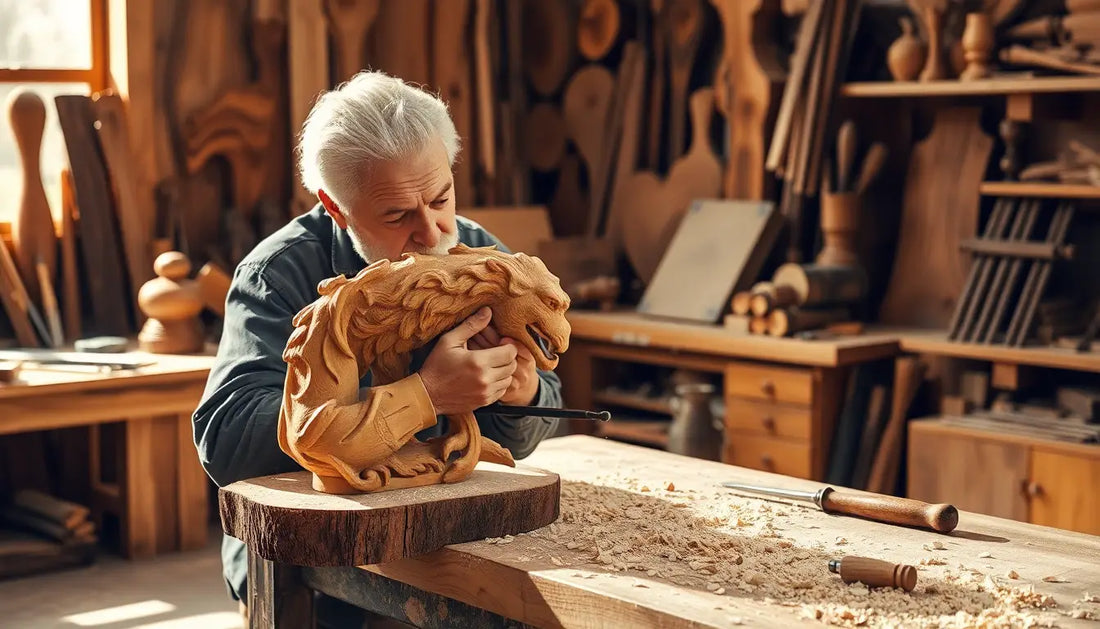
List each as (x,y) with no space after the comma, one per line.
(773,384)
(767,419)
(770,455)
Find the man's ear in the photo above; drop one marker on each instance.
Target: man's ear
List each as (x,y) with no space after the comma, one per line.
(333,209)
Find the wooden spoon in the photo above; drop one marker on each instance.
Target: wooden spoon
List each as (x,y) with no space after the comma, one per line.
(585,106)
(685,26)
(597,28)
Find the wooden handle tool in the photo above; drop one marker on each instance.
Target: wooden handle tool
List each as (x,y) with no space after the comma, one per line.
(872,165)
(883,508)
(846,146)
(875,572)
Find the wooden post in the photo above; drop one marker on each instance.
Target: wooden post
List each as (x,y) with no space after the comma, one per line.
(277,598)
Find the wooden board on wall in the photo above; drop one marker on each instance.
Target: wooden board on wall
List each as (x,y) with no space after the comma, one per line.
(105,279)
(718,248)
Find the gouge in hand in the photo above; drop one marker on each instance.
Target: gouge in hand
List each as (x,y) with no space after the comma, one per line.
(890,509)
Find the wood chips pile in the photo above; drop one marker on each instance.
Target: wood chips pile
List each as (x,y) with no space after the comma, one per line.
(732,545)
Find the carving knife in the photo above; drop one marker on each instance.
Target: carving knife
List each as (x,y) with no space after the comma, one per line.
(889,509)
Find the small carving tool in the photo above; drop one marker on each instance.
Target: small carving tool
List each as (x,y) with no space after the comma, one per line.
(875,572)
(542,411)
(889,509)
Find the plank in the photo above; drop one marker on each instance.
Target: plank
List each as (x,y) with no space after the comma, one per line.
(986,87)
(453,79)
(936,342)
(317,529)
(940,209)
(538,579)
(630,328)
(308,62)
(1039,189)
(104,274)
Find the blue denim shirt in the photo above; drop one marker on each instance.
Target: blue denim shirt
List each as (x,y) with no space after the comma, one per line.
(235,425)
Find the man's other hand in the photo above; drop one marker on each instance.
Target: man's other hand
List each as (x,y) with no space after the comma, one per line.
(459,379)
(525,381)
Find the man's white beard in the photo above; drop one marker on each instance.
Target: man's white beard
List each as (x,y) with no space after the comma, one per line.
(446,242)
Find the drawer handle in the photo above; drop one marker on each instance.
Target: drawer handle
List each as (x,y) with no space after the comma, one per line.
(767,462)
(1034,490)
(767,387)
(769,423)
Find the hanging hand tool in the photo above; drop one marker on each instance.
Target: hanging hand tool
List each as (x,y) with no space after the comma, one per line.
(889,509)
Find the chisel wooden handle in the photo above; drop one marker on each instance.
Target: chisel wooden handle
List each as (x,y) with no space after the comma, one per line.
(875,572)
(891,509)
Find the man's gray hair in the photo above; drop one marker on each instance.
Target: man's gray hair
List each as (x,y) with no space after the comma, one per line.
(371,118)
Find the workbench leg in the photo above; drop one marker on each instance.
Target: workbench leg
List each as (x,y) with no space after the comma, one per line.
(192,488)
(277,597)
(139,490)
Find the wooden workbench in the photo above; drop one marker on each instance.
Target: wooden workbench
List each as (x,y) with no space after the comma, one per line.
(598,565)
(161,499)
(782,395)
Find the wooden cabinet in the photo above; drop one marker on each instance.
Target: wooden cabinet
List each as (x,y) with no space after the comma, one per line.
(1043,482)
(780,419)
(781,396)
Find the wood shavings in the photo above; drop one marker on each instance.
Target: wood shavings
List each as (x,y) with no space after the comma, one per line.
(726,543)
(1012,574)
(985,555)
(670,487)
(1055,579)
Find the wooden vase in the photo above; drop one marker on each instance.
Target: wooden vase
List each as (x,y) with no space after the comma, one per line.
(906,55)
(839,229)
(977,41)
(172,303)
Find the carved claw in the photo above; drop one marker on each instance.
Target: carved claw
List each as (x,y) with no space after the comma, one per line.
(456,442)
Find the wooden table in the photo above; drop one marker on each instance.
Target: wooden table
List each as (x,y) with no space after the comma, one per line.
(537,579)
(782,396)
(161,498)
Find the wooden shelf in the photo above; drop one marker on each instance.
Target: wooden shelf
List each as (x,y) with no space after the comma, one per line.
(985,87)
(636,402)
(936,342)
(629,328)
(652,433)
(1039,189)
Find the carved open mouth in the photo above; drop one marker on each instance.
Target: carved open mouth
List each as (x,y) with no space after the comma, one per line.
(542,341)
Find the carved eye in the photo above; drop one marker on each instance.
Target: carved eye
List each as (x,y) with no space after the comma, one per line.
(551,303)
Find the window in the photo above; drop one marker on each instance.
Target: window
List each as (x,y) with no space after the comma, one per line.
(51,47)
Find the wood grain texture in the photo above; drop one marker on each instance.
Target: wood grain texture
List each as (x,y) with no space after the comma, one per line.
(938,517)
(349,21)
(316,529)
(940,209)
(399,28)
(520,581)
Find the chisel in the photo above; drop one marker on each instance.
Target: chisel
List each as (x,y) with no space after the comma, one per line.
(889,509)
(541,411)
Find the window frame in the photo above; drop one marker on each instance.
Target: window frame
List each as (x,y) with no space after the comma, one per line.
(98,76)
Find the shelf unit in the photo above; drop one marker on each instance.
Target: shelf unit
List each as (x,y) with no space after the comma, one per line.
(996,86)
(935,342)
(1039,189)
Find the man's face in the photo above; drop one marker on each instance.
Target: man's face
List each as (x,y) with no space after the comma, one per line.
(404,206)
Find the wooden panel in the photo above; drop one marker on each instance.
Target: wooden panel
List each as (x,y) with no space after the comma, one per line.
(1039,189)
(139,517)
(1064,489)
(192,488)
(779,456)
(308,61)
(1040,85)
(772,384)
(935,342)
(767,419)
(972,473)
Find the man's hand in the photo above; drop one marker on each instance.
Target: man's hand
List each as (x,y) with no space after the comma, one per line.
(525,380)
(458,379)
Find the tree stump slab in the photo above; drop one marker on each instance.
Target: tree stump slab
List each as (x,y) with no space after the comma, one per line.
(283,519)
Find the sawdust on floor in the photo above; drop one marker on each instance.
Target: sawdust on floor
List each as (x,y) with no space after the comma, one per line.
(730,545)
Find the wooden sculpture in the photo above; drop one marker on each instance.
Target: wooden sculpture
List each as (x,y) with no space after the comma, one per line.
(172,303)
(373,322)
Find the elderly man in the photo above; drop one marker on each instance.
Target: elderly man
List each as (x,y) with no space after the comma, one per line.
(378,154)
